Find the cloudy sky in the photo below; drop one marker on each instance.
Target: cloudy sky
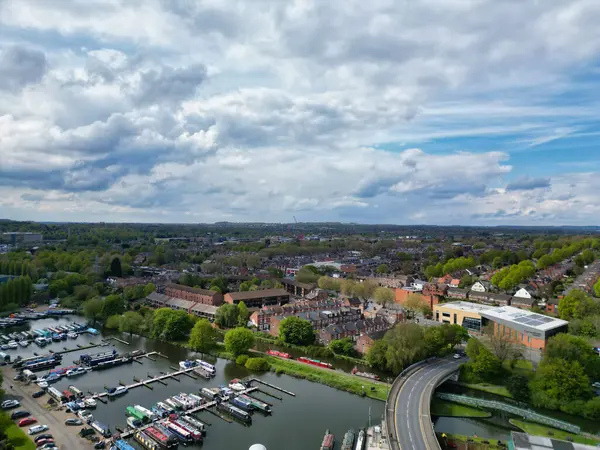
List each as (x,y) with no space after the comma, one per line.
(379,111)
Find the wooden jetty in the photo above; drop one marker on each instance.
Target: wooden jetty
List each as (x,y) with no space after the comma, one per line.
(200,408)
(76,349)
(116,339)
(272,386)
(146,383)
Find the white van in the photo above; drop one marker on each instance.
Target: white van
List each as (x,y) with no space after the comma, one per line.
(29,375)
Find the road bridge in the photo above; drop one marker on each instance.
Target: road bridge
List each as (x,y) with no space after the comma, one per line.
(407,414)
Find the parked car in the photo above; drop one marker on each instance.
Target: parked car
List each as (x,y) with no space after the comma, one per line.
(43,442)
(37,429)
(38,394)
(86,432)
(42,384)
(19,414)
(73,422)
(26,421)
(457,356)
(42,436)
(8,404)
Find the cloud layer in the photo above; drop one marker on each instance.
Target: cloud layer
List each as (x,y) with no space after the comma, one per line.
(447,112)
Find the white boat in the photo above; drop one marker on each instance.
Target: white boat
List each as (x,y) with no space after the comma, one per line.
(207,367)
(72,335)
(42,384)
(236,385)
(118,391)
(134,423)
(187,364)
(90,402)
(75,372)
(145,411)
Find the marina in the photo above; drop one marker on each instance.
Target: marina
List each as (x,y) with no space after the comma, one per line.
(308,405)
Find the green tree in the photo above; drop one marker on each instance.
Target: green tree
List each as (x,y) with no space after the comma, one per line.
(329,283)
(564,347)
(227,315)
(113,322)
(558,382)
(113,305)
(238,341)
(131,322)
(382,268)
(405,346)
(518,386)
(243,314)
(160,318)
(384,296)
(577,305)
(115,267)
(203,336)
(376,355)
(149,289)
(92,309)
(257,364)
(296,331)
(343,346)
(305,275)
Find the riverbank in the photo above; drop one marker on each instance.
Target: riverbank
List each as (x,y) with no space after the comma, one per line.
(486,387)
(444,408)
(542,430)
(472,443)
(331,378)
(19,439)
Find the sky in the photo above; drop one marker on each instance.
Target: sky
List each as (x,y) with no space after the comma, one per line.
(466,112)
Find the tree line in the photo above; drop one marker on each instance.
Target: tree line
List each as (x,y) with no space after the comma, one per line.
(15,292)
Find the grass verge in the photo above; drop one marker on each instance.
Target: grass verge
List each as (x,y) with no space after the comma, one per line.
(519,367)
(19,439)
(448,409)
(480,442)
(341,381)
(490,388)
(542,430)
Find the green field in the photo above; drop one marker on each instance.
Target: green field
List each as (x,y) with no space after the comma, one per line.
(19,439)
(491,388)
(448,409)
(474,443)
(542,430)
(338,380)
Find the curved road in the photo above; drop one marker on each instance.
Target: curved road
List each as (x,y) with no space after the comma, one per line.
(408,416)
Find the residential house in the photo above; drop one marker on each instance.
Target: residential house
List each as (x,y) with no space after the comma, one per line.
(446,279)
(366,340)
(438,289)
(457,293)
(489,298)
(353,330)
(522,302)
(480,286)
(552,306)
(524,292)
(454,283)
(320,319)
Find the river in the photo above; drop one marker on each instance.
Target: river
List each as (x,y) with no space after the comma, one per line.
(297,423)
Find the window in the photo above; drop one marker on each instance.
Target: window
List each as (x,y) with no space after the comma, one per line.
(472,324)
(446,314)
(455,318)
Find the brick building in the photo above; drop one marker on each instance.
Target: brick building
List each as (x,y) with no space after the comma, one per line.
(352,330)
(258,299)
(402,295)
(198,309)
(195,295)
(262,318)
(297,288)
(319,319)
(366,340)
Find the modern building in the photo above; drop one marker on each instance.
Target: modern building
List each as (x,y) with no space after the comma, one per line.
(297,288)
(260,298)
(16,238)
(466,314)
(524,327)
(195,295)
(198,309)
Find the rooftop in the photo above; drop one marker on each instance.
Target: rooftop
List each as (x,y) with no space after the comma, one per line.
(244,295)
(523,441)
(467,306)
(182,287)
(524,318)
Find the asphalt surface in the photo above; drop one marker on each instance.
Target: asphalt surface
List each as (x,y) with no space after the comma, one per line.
(409,406)
(66,438)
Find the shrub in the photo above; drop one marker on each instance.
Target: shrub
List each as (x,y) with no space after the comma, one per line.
(113,322)
(241,360)
(257,364)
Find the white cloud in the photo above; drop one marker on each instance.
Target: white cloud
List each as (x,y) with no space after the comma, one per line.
(228,109)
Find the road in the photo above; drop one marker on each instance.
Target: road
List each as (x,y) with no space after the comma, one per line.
(65,437)
(409,406)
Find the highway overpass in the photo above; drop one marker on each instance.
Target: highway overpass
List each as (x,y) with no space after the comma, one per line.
(407,414)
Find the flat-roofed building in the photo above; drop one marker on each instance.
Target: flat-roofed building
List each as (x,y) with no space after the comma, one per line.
(466,314)
(524,327)
(259,298)
(195,295)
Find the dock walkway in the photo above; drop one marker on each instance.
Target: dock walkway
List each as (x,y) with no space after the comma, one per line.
(272,386)
(148,381)
(197,409)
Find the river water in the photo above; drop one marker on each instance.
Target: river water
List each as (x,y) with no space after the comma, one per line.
(297,423)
